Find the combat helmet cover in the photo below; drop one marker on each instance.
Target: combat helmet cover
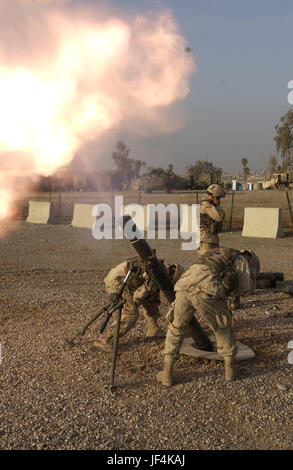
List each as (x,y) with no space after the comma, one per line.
(216,190)
(254,263)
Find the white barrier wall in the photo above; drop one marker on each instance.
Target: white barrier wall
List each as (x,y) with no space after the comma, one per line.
(40,212)
(83,216)
(263,222)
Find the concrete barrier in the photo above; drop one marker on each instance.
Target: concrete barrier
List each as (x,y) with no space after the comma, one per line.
(263,222)
(83,216)
(40,212)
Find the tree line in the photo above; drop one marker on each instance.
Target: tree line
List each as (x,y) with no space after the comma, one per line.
(198,175)
(284,145)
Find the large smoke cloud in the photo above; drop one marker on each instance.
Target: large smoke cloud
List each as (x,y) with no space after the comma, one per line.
(70,74)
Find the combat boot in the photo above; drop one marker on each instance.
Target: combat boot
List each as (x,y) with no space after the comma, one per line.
(165,376)
(153,328)
(231,369)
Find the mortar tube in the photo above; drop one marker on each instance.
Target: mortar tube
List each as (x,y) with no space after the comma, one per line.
(161,278)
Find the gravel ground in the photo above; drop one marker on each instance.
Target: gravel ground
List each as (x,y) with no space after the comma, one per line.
(54,397)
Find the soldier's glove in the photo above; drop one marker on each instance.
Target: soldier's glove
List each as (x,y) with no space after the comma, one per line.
(151,285)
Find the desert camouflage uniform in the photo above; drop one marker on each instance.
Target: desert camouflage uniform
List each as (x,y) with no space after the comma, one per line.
(211,218)
(204,289)
(140,291)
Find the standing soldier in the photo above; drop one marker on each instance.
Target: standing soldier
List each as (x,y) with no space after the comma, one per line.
(211,218)
(204,289)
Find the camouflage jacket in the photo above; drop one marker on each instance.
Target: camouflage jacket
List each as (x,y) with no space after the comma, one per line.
(211,218)
(136,279)
(218,273)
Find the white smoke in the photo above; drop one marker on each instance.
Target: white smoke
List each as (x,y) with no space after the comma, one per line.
(69,75)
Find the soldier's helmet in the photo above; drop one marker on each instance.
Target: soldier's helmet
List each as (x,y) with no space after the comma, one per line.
(216,190)
(175,271)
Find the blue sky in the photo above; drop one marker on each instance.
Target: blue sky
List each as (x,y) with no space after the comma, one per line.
(244,52)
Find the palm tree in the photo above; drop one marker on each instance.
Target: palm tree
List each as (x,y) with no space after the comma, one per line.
(284,139)
(245,170)
(272,164)
(244,162)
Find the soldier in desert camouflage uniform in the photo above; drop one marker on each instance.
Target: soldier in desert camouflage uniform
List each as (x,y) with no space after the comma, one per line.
(204,289)
(141,292)
(211,218)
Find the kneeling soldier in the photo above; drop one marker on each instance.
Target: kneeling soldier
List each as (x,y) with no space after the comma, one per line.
(204,288)
(141,292)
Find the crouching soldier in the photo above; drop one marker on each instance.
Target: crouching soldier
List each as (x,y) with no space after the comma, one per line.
(204,288)
(140,292)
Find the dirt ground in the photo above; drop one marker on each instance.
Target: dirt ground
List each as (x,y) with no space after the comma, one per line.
(54,397)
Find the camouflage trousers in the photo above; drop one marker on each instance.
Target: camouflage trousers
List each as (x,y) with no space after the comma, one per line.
(146,300)
(213,310)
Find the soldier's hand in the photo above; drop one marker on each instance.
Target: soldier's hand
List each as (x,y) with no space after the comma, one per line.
(150,285)
(221,212)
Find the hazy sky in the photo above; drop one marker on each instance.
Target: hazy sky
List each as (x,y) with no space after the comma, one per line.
(244,53)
